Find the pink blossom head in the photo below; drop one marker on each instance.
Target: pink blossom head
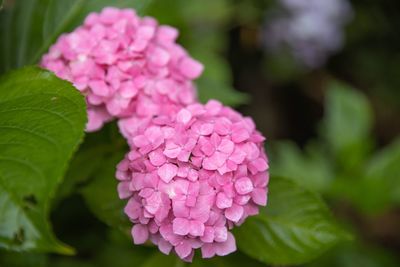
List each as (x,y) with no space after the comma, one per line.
(190,177)
(124,65)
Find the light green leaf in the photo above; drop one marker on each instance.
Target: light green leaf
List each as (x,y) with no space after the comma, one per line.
(29,28)
(347,124)
(295,227)
(310,168)
(42,120)
(381,182)
(384,167)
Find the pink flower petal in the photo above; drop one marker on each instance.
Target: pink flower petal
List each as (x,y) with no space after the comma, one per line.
(157,158)
(140,141)
(190,68)
(240,135)
(167,172)
(179,208)
(140,234)
(234,213)
(181,226)
(183,250)
(183,116)
(223,201)
(208,251)
(226,146)
(227,247)
(172,150)
(164,246)
(244,185)
(196,228)
(208,235)
(206,129)
(99,88)
(221,234)
(259,196)
(123,190)
(215,161)
(223,126)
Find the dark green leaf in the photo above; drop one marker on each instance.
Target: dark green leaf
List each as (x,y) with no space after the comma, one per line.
(30,27)
(15,259)
(96,148)
(101,194)
(42,119)
(295,227)
(350,255)
(236,259)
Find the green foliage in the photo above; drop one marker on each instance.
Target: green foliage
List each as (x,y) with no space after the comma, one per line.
(101,194)
(310,169)
(381,180)
(295,227)
(347,124)
(340,163)
(41,124)
(96,149)
(29,28)
(15,259)
(355,254)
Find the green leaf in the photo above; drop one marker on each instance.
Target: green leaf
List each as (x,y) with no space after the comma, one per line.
(95,150)
(384,168)
(29,28)
(295,227)
(381,182)
(310,168)
(42,120)
(101,194)
(347,124)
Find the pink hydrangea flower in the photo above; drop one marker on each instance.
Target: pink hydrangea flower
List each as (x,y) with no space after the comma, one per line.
(191,176)
(124,65)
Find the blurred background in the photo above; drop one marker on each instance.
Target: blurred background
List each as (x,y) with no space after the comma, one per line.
(321,79)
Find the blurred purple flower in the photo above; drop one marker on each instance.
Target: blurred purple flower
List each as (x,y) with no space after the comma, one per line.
(311,29)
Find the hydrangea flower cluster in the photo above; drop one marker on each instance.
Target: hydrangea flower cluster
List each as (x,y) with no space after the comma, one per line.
(311,29)
(193,171)
(191,177)
(124,65)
